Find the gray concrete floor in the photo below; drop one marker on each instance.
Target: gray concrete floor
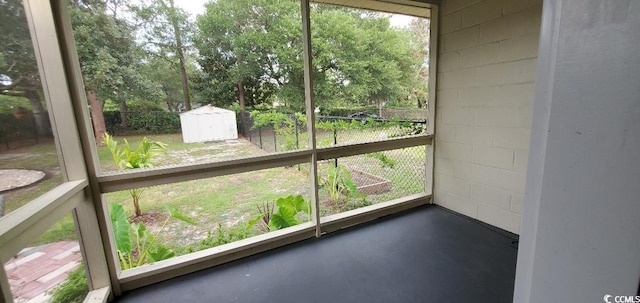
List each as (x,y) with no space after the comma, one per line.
(427,254)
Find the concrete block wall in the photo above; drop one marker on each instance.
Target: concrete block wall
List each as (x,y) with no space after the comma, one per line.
(486,73)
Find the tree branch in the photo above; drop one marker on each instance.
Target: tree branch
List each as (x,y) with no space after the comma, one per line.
(13,93)
(11,86)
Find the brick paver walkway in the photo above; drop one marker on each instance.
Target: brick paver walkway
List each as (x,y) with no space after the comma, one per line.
(36,270)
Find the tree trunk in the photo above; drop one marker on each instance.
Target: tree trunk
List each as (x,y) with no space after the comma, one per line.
(185,84)
(97,117)
(168,100)
(124,118)
(43,127)
(241,102)
(179,49)
(241,95)
(135,196)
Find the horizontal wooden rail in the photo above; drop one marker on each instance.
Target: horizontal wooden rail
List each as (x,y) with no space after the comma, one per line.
(22,226)
(167,269)
(123,180)
(338,151)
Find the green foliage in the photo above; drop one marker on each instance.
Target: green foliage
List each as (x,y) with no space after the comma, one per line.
(385,161)
(120,225)
(221,236)
(127,158)
(8,104)
(18,62)
(166,32)
(257,44)
(160,122)
(286,126)
(16,129)
(362,202)
(339,185)
(283,215)
(110,59)
(135,244)
(406,127)
(73,290)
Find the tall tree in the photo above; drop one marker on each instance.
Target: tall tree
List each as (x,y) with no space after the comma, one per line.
(166,32)
(19,75)
(420,32)
(244,47)
(251,52)
(109,58)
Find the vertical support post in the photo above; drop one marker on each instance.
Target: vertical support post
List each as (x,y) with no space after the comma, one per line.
(311,119)
(5,289)
(260,136)
(78,145)
(431,103)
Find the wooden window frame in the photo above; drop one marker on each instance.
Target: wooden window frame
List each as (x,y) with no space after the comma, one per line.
(81,193)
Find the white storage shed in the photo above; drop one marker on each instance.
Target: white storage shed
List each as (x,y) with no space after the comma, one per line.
(208,123)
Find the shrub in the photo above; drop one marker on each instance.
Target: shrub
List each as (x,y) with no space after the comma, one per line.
(144,121)
(135,244)
(219,237)
(72,290)
(283,215)
(287,126)
(158,122)
(339,185)
(127,158)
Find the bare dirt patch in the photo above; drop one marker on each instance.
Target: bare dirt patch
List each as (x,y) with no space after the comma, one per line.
(149,218)
(16,178)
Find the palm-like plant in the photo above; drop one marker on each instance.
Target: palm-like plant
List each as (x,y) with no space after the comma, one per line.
(339,185)
(127,158)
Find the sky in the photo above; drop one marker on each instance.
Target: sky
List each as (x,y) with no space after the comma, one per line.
(194,7)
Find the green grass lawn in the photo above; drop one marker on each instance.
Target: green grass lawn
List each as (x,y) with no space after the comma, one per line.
(41,157)
(226,201)
(178,152)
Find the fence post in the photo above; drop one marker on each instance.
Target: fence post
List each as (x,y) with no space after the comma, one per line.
(335,142)
(275,139)
(260,135)
(295,121)
(35,127)
(155,118)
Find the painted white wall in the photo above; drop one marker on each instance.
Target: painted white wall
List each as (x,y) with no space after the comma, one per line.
(581,235)
(486,72)
(208,123)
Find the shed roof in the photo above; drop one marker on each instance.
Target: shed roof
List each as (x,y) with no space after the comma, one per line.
(207,110)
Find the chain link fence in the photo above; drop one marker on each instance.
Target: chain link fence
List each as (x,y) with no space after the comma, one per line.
(23,129)
(379,177)
(285,132)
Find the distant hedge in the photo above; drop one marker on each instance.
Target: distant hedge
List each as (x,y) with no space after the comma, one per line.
(13,130)
(158,122)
